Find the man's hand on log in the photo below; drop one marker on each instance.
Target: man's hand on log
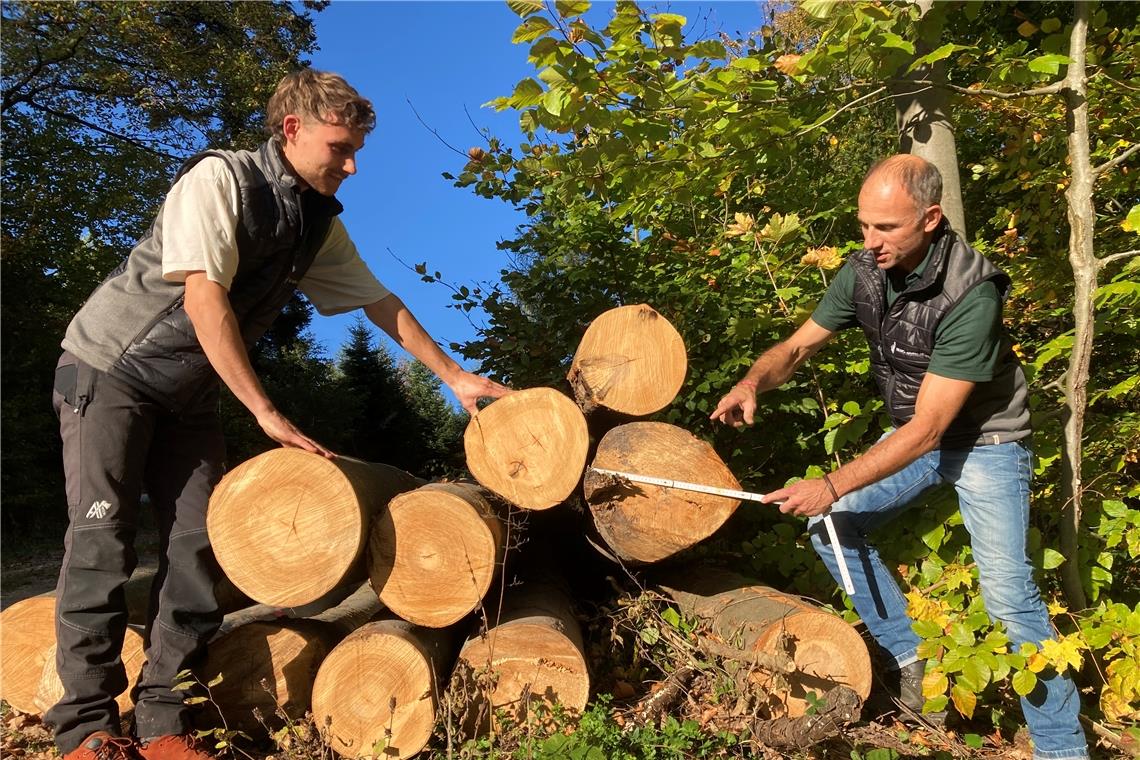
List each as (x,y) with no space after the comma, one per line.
(280,429)
(469,388)
(805,498)
(738,406)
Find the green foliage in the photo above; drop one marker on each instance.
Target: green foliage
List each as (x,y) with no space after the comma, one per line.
(715,180)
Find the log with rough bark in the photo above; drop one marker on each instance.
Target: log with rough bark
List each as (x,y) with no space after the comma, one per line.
(270,664)
(434,552)
(532,657)
(289,526)
(50,689)
(645,523)
(826,651)
(630,360)
(377,692)
(528,447)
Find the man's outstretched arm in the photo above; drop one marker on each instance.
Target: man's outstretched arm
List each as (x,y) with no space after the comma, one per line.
(393,317)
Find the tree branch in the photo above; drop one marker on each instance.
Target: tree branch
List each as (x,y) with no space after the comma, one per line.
(434,131)
(856,102)
(1052,89)
(102,130)
(1106,260)
(1107,165)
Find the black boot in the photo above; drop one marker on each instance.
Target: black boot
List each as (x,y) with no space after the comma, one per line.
(905,687)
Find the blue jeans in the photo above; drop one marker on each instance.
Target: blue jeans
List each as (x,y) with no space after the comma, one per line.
(993,493)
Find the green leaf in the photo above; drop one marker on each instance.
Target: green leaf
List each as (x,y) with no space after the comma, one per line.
(937,54)
(892,40)
(524,8)
(194,700)
(650,635)
(748,63)
(1052,559)
(531,29)
(1050,25)
(1131,222)
(818,8)
(973,741)
(852,408)
(933,538)
(555,100)
(1024,681)
(571,8)
(671,617)
(216,680)
(927,629)
(1048,64)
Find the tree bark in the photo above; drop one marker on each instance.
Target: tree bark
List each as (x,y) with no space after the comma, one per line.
(376,694)
(434,552)
(528,447)
(270,665)
(645,523)
(289,526)
(631,360)
(925,129)
(533,656)
(827,652)
(1082,258)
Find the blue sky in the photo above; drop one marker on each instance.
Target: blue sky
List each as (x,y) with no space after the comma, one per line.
(445,59)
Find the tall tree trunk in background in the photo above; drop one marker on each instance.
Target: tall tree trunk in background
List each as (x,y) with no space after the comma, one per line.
(1082,223)
(925,129)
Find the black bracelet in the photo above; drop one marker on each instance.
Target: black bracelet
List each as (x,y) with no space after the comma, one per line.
(830,487)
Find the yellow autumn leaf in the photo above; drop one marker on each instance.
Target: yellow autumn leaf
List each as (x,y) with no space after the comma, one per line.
(742,226)
(779,227)
(1116,708)
(1063,653)
(923,608)
(825,257)
(787,63)
(1036,662)
(934,683)
(1027,29)
(1055,607)
(964,701)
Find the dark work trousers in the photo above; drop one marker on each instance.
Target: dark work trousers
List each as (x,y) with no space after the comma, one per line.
(116,442)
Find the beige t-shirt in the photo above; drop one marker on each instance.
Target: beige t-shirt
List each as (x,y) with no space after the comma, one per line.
(199,228)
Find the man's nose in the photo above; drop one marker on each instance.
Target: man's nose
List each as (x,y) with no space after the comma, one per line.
(350,166)
(871,239)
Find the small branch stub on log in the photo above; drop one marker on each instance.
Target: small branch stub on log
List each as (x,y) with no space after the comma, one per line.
(528,447)
(646,523)
(289,526)
(434,552)
(376,693)
(534,656)
(630,360)
(826,651)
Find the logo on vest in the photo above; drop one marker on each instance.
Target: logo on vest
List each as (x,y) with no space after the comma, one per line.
(99,510)
(896,350)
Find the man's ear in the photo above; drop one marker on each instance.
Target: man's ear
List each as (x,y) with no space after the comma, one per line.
(290,126)
(931,218)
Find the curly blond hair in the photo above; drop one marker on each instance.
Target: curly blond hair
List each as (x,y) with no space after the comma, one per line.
(319,95)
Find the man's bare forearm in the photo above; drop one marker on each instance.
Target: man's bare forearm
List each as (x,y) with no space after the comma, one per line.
(393,317)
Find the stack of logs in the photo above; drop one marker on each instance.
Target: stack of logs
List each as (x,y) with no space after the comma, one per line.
(398,569)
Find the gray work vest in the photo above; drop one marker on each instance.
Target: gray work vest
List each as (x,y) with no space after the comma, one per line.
(134,327)
(902,340)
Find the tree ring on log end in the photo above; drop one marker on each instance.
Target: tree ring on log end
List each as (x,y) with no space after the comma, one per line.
(28,628)
(373,696)
(630,360)
(528,447)
(434,552)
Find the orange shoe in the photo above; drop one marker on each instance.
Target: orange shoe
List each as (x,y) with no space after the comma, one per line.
(173,747)
(102,746)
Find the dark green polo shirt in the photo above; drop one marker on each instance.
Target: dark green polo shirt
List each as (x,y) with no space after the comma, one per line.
(968,342)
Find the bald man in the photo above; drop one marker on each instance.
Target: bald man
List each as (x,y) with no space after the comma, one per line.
(930,307)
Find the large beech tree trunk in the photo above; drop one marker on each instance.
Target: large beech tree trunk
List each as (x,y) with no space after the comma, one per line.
(827,652)
(528,447)
(377,692)
(645,523)
(533,655)
(631,360)
(271,664)
(434,552)
(289,526)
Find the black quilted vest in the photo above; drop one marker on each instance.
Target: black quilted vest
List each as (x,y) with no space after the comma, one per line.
(902,340)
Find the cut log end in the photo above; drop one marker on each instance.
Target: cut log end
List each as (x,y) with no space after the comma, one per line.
(434,552)
(374,695)
(645,523)
(631,360)
(288,526)
(27,629)
(528,447)
(50,689)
